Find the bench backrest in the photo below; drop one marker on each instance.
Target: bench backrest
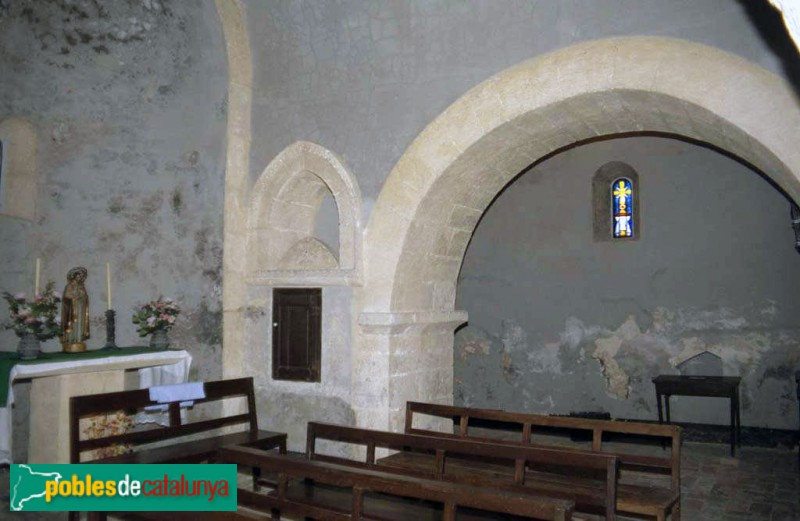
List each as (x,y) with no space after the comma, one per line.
(132,401)
(527,424)
(363,481)
(518,457)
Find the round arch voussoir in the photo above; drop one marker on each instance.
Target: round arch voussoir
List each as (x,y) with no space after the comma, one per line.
(433,198)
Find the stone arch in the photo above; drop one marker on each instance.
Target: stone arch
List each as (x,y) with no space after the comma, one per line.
(283,210)
(233,18)
(19,174)
(433,198)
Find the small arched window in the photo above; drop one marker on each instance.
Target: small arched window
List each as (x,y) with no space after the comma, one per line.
(18,168)
(616,206)
(623,223)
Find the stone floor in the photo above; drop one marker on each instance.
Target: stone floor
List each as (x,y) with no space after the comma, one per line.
(760,484)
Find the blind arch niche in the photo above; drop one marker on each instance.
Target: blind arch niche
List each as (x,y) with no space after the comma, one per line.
(281,242)
(18,169)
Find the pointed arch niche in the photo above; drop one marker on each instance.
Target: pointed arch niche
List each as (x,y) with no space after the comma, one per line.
(284,244)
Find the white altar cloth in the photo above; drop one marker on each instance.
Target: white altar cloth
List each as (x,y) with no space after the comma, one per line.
(157,368)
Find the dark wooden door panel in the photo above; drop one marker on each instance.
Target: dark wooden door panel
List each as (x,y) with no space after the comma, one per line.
(296,333)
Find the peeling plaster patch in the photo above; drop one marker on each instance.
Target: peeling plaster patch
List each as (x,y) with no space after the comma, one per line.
(495,369)
(514,337)
(474,344)
(617,380)
(540,360)
(575,332)
(545,359)
(770,311)
(661,319)
(480,347)
(509,371)
(629,330)
(473,341)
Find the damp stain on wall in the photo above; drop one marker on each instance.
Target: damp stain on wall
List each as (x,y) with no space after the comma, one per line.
(130,156)
(599,369)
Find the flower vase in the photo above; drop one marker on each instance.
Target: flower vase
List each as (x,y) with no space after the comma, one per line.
(159,339)
(29,347)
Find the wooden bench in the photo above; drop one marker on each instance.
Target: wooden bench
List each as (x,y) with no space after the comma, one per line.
(519,469)
(194,451)
(633,497)
(330,492)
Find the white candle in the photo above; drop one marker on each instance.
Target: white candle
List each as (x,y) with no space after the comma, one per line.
(38,271)
(108,283)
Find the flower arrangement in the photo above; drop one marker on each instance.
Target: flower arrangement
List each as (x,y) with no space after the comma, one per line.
(156,315)
(38,316)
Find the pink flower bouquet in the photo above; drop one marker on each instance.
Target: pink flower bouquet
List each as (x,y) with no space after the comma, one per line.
(38,316)
(156,316)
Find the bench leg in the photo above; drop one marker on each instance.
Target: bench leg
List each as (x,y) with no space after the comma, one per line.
(676,512)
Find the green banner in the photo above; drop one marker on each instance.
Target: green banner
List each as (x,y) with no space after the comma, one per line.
(120,488)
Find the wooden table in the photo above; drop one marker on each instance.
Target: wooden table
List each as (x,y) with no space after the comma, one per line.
(713,386)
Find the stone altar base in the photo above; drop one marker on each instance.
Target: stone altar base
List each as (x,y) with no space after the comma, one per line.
(49,421)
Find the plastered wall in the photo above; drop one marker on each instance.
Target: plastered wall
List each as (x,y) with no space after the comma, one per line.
(129,103)
(363,79)
(560,322)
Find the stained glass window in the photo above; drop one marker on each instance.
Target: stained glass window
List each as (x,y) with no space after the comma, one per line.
(622,208)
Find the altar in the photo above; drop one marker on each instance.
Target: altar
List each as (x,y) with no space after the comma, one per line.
(55,377)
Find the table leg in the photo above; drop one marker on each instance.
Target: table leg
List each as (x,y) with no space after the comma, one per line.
(738,421)
(658,403)
(733,425)
(666,406)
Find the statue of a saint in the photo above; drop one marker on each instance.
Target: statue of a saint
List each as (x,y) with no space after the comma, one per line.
(75,312)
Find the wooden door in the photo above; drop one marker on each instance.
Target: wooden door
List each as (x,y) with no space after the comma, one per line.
(296,333)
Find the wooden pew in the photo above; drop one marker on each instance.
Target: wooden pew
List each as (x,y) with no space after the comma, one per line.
(330,492)
(194,451)
(520,469)
(651,500)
